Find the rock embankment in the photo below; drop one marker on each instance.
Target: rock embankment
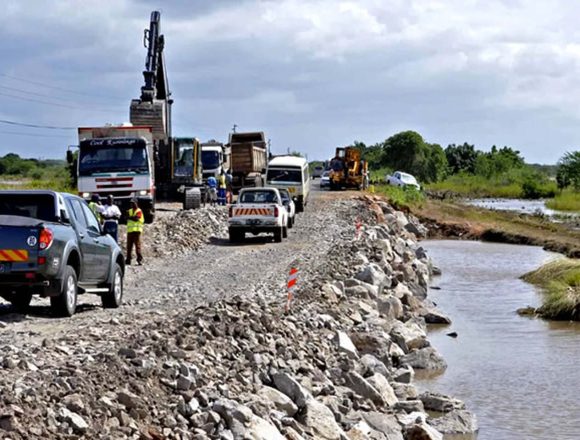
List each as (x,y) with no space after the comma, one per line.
(339,365)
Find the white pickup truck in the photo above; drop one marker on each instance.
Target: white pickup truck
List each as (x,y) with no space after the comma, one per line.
(258,210)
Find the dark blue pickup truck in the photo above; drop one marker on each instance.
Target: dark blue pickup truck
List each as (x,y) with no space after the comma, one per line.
(52,245)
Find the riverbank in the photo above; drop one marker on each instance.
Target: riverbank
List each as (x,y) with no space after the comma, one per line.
(456,220)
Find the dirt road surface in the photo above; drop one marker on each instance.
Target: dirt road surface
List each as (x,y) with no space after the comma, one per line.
(216,270)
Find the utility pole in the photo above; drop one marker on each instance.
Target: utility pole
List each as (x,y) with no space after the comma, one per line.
(269,151)
(234,128)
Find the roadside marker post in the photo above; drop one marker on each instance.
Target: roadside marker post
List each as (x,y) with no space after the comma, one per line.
(291,285)
(358,228)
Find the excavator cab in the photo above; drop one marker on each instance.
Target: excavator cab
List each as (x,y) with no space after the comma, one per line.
(347,169)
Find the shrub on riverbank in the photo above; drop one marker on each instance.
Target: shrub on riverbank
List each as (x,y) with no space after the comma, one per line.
(560,280)
(566,201)
(401,198)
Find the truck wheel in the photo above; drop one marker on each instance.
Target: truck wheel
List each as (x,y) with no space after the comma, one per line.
(236,236)
(21,300)
(192,199)
(278,235)
(149,216)
(65,304)
(113,298)
(285,232)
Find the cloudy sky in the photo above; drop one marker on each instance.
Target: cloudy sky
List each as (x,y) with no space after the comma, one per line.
(311,74)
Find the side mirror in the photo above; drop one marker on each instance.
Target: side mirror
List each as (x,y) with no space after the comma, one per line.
(69,156)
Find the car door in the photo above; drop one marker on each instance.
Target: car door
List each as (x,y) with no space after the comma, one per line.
(85,241)
(100,246)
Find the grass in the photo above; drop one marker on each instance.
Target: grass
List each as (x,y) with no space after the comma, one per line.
(560,280)
(503,186)
(401,198)
(61,184)
(568,200)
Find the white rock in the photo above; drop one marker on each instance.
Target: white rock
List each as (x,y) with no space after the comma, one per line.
(345,344)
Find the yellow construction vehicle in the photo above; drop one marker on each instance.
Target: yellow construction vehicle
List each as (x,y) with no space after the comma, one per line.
(347,170)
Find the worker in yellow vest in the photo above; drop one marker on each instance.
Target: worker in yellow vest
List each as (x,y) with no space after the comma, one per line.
(135,221)
(222,185)
(96,207)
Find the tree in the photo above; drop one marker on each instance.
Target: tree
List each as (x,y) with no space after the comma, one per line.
(437,165)
(461,158)
(569,170)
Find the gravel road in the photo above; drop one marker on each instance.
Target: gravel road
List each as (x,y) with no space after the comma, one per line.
(195,277)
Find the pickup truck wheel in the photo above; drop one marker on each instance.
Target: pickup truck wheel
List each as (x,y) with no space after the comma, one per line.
(65,304)
(284,232)
(114,297)
(21,301)
(236,236)
(278,235)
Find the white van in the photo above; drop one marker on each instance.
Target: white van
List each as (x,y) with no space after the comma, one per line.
(292,173)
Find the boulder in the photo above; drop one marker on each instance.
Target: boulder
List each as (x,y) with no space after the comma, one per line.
(424,359)
(384,423)
(417,229)
(422,431)
(320,420)
(434,316)
(289,386)
(77,423)
(404,374)
(381,384)
(345,345)
(372,274)
(280,400)
(409,336)
(390,308)
(260,429)
(363,388)
(440,402)
(455,422)
(370,365)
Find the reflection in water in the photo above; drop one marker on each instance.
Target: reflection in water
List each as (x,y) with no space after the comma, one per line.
(521,376)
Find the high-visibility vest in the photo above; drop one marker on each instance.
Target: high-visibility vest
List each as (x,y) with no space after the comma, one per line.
(132,225)
(222,181)
(95,208)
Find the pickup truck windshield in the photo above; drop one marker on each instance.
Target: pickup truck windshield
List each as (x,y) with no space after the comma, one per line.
(258,197)
(112,158)
(210,160)
(284,175)
(38,206)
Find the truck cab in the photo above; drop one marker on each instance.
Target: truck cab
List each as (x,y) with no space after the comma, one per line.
(215,158)
(117,161)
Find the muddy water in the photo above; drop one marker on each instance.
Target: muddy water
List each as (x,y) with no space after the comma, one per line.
(521,376)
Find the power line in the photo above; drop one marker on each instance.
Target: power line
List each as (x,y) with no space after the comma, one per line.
(56,104)
(49,127)
(62,89)
(28,92)
(19,133)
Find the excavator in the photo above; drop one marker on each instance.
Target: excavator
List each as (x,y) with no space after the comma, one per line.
(347,170)
(178,167)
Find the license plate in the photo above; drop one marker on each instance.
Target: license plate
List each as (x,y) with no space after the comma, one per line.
(5,268)
(253,222)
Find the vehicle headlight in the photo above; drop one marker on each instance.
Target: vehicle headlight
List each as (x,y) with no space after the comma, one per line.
(86,195)
(143,192)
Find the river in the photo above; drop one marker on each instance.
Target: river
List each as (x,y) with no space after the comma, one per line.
(521,376)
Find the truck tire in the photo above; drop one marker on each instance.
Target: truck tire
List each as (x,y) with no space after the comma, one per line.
(290,222)
(285,232)
(149,216)
(20,300)
(236,236)
(65,303)
(278,235)
(113,298)
(192,199)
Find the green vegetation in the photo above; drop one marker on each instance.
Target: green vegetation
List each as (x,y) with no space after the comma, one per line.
(20,173)
(567,200)
(401,198)
(560,280)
